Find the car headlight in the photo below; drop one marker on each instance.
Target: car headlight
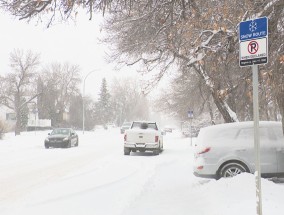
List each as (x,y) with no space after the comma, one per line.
(65,139)
(46,139)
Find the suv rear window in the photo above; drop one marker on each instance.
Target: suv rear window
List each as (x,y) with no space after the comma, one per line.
(144,125)
(264,133)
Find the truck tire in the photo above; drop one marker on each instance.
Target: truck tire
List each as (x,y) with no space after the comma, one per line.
(161,148)
(126,151)
(156,151)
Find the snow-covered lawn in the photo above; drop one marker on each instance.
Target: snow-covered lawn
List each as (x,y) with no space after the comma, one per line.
(97,179)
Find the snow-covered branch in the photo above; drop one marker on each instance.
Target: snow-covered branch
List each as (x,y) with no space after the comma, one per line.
(196,55)
(269,7)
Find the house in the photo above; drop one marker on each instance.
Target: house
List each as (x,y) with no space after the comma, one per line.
(8,117)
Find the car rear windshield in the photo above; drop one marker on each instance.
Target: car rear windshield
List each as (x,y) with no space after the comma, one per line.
(144,125)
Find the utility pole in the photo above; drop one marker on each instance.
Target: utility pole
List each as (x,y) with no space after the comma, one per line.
(83,100)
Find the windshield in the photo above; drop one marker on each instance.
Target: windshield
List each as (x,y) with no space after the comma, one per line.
(61,131)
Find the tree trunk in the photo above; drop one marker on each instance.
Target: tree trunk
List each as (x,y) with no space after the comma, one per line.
(18,122)
(280,101)
(225,110)
(223,107)
(18,113)
(283,124)
(211,113)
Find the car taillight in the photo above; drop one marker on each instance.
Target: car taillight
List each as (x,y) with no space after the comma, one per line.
(156,139)
(207,149)
(125,137)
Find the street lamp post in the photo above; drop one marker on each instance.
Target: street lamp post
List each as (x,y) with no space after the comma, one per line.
(190,116)
(84,98)
(35,111)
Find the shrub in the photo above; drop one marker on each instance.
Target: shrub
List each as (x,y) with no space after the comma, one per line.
(2,129)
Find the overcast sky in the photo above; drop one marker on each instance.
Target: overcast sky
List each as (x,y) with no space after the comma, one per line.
(76,43)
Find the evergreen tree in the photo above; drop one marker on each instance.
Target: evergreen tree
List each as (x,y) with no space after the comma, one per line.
(103,106)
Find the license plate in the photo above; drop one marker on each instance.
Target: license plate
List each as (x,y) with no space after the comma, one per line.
(140,144)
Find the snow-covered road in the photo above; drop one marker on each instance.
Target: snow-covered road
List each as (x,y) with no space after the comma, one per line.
(97,179)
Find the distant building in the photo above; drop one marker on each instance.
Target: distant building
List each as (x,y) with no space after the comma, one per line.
(34,123)
(8,117)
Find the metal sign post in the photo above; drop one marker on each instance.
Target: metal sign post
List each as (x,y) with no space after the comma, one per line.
(35,111)
(256,140)
(253,40)
(190,116)
(83,99)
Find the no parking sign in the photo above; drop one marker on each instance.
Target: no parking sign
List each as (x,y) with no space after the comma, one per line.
(253,39)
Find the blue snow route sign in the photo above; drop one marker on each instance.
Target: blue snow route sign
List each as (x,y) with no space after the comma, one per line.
(253,29)
(190,114)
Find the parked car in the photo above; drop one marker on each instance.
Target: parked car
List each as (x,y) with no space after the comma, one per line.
(228,149)
(188,130)
(62,138)
(99,127)
(125,126)
(143,136)
(168,129)
(110,125)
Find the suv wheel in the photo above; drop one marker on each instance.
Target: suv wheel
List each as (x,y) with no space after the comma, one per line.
(231,170)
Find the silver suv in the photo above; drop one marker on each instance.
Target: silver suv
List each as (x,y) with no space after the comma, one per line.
(228,149)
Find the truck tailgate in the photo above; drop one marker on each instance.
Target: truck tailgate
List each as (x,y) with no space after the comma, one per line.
(141,136)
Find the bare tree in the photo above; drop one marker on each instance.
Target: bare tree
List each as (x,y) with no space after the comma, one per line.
(186,94)
(188,32)
(59,83)
(167,32)
(200,34)
(17,87)
(52,9)
(58,10)
(128,100)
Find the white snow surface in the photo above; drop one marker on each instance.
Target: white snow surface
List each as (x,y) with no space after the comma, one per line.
(97,179)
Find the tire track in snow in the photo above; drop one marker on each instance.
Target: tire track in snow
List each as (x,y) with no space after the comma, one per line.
(31,166)
(96,196)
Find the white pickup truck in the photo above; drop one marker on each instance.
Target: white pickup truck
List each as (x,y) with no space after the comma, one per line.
(143,136)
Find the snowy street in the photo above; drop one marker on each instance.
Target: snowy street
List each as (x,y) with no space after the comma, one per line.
(97,179)
(141,107)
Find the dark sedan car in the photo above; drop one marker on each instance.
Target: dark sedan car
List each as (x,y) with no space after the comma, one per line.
(62,138)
